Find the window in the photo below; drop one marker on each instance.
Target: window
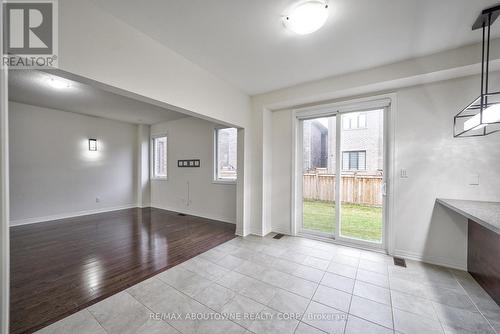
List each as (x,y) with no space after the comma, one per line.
(159,157)
(225,154)
(354,160)
(354,120)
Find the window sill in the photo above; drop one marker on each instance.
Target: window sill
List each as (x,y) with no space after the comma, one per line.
(355,129)
(228,182)
(159,179)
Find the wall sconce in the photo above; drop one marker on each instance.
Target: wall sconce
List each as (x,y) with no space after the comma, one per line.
(92,144)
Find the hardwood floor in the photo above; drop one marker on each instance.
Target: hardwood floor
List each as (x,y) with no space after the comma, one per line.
(60,267)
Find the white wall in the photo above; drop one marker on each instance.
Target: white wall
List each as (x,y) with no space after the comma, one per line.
(192,138)
(114,53)
(96,45)
(281,173)
(445,65)
(143,168)
(438,165)
(53,174)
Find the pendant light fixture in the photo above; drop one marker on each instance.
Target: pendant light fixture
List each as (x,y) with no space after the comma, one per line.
(482,116)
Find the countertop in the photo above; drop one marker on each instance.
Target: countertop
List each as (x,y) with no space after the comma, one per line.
(486,214)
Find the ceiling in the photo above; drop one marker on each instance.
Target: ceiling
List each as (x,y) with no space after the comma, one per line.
(245,43)
(34,87)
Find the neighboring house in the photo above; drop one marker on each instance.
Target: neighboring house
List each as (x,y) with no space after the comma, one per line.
(316,145)
(227,152)
(362,143)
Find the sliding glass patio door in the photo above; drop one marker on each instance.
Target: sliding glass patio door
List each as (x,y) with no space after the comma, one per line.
(342,181)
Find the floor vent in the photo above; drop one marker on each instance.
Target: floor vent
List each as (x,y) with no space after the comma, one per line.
(278,236)
(181,214)
(399,262)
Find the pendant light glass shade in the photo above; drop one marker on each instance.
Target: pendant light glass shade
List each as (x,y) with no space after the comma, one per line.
(480,118)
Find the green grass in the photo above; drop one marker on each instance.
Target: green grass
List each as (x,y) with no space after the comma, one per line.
(358,221)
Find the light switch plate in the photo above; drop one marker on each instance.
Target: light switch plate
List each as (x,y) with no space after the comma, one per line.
(474,179)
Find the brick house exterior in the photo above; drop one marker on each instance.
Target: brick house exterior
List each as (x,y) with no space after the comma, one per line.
(362,143)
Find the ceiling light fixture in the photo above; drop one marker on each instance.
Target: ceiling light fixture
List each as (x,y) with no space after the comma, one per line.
(58,83)
(482,116)
(306,17)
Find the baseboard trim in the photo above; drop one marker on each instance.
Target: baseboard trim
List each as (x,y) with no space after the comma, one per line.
(437,260)
(194,213)
(277,230)
(37,220)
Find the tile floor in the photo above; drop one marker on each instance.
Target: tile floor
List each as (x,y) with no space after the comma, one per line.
(293,285)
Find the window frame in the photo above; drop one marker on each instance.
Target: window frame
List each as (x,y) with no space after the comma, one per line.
(215,157)
(349,161)
(153,156)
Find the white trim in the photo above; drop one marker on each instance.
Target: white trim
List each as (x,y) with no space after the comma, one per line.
(4,195)
(195,213)
(37,220)
(391,174)
(296,214)
(159,179)
(239,232)
(280,231)
(214,153)
(359,104)
(339,160)
(221,181)
(241,213)
(152,157)
(44,219)
(437,260)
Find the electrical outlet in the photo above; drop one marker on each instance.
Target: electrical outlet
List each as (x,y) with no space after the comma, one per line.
(404,173)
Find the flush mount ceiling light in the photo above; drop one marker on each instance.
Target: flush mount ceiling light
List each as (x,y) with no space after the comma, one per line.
(482,116)
(58,83)
(306,17)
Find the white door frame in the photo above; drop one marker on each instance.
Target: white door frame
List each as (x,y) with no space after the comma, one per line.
(386,102)
(4,193)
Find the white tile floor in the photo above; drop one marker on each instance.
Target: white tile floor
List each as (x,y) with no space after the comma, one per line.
(248,285)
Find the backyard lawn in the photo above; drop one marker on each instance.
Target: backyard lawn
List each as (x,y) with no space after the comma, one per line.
(358,221)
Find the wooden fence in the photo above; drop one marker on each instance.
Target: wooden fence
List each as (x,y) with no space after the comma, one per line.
(355,189)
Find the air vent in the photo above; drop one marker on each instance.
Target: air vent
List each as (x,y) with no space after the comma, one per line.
(278,236)
(399,262)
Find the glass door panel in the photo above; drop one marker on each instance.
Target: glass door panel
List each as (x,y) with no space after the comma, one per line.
(362,176)
(318,175)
